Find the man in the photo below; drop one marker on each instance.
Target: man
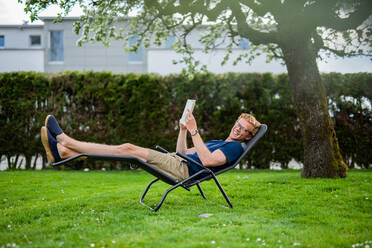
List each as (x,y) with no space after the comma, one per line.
(215,154)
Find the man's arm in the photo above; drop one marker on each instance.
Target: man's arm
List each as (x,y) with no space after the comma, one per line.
(207,158)
(182,141)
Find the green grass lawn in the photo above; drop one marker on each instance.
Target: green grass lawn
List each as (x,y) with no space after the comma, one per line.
(101,209)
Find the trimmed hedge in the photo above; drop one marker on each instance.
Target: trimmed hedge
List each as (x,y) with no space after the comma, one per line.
(144,109)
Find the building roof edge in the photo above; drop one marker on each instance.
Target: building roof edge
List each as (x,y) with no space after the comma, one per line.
(21,25)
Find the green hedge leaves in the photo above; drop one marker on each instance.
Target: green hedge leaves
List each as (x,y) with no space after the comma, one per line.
(144,109)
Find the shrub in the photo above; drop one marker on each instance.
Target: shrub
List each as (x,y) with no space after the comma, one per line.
(144,109)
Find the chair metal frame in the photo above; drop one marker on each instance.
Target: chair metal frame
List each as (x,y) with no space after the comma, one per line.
(195,179)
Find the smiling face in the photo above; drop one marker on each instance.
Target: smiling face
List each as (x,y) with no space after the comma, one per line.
(241,131)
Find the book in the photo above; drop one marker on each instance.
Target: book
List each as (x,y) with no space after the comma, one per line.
(190,104)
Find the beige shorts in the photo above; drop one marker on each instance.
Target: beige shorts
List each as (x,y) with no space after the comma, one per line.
(169,163)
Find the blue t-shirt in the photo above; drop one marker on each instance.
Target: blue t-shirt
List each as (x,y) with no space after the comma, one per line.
(232,151)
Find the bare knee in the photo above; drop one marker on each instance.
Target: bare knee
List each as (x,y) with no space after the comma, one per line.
(128,149)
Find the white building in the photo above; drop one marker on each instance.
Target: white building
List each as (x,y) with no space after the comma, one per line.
(51,47)
(21,48)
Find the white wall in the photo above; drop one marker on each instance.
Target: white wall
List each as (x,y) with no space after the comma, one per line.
(90,56)
(18,54)
(21,60)
(17,37)
(160,61)
(346,65)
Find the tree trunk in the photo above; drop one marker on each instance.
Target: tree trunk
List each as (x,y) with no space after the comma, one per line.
(28,162)
(35,161)
(16,162)
(9,162)
(43,161)
(322,157)
(284,165)
(352,163)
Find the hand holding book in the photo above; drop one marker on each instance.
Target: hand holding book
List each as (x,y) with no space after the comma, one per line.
(190,122)
(190,104)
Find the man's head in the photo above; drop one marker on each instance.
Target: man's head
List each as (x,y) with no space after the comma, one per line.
(245,128)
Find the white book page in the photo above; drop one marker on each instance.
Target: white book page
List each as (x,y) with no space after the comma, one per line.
(190,104)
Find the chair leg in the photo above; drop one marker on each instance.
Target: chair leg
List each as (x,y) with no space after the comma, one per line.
(222,191)
(163,197)
(201,191)
(182,184)
(145,192)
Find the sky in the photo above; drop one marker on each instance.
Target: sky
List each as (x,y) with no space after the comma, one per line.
(11,12)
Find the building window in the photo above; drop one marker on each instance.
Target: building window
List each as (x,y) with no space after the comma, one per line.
(244,43)
(56,46)
(135,56)
(170,41)
(2,41)
(35,40)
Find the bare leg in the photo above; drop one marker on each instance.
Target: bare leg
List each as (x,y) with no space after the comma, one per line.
(93,148)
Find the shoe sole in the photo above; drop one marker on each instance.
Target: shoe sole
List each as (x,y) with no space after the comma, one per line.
(44,140)
(46,120)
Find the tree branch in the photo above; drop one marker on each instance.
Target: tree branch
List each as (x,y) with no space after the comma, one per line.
(321,14)
(244,30)
(318,41)
(213,13)
(340,53)
(259,9)
(232,32)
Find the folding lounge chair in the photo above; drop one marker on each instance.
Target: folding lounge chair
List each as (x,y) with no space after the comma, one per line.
(201,176)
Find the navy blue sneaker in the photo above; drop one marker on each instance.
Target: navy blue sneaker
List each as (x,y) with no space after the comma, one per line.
(53,126)
(50,145)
